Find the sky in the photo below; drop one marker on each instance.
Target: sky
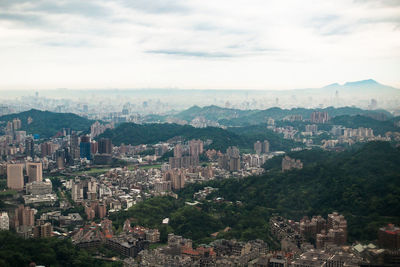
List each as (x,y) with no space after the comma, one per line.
(197,44)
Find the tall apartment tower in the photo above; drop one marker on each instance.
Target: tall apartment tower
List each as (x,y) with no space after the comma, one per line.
(195,147)
(178,151)
(29,147)
(85,147)
(34,171)
(258,147)
(265,147)
(16,124)
(319,117)
(74,146)
(46,149)
(24,216)
(60,158)
(104,146)
(43,230)
(15,177)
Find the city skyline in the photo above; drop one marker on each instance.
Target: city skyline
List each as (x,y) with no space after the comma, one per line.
(192,45)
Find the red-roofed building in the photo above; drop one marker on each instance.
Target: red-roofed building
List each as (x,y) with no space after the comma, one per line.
(389,237)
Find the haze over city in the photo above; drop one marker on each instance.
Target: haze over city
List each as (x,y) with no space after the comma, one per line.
(200,133)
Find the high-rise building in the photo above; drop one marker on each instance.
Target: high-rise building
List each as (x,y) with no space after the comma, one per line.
(265,147)
(389,237)
(231,160)
(43,230)
(24,216)
(94,147)
(177,178)
(77,192)
(233,151)
(258,147)
(34,171)
(183,162)
(336,233)
(15,177)
(195,147)
(16,124)
(178,151)
(261,148)
(85,147)
(319,117)
(4,221)
(74,146)
(104,146)
(60,158)
(46,149)
(29,147)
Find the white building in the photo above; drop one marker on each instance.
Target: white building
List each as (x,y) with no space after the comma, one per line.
(39,188)
(4,221)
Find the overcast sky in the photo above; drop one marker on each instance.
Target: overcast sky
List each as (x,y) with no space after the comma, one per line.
(201,44)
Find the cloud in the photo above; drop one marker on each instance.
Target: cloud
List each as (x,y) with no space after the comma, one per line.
(222,43)
(74,7)
(191,53)
(26,19)
(382,3)
(158,6)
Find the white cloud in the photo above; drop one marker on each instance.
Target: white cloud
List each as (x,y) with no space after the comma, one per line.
(197,44)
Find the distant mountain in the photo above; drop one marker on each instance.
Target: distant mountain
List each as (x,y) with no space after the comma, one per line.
(46,123)
(370,87)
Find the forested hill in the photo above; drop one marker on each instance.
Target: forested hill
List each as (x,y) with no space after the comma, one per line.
(46,123)
(363,184)
(16,251)
(238,117)
(135,134)
(379,127)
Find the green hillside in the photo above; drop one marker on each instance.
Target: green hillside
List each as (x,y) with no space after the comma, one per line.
(16,251)
(363,184)
(213,113)
(379,127)
(135,134)
(48,123)
(262,116)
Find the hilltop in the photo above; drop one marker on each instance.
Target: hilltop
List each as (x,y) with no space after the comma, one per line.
(135,134)
(47,123)
(238,117)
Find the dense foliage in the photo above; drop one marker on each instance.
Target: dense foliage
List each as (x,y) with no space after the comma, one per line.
(15,251)
(262,116)
(379,127)
(239,117)
(46,123)
(363,184)
(254,133)
(135,134)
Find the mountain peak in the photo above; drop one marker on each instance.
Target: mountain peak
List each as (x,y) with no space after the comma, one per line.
(332,85)
(363,82)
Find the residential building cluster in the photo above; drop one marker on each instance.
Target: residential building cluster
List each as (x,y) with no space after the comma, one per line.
(180,252)
(288,164)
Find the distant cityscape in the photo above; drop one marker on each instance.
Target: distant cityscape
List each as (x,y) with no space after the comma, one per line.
(71,185)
